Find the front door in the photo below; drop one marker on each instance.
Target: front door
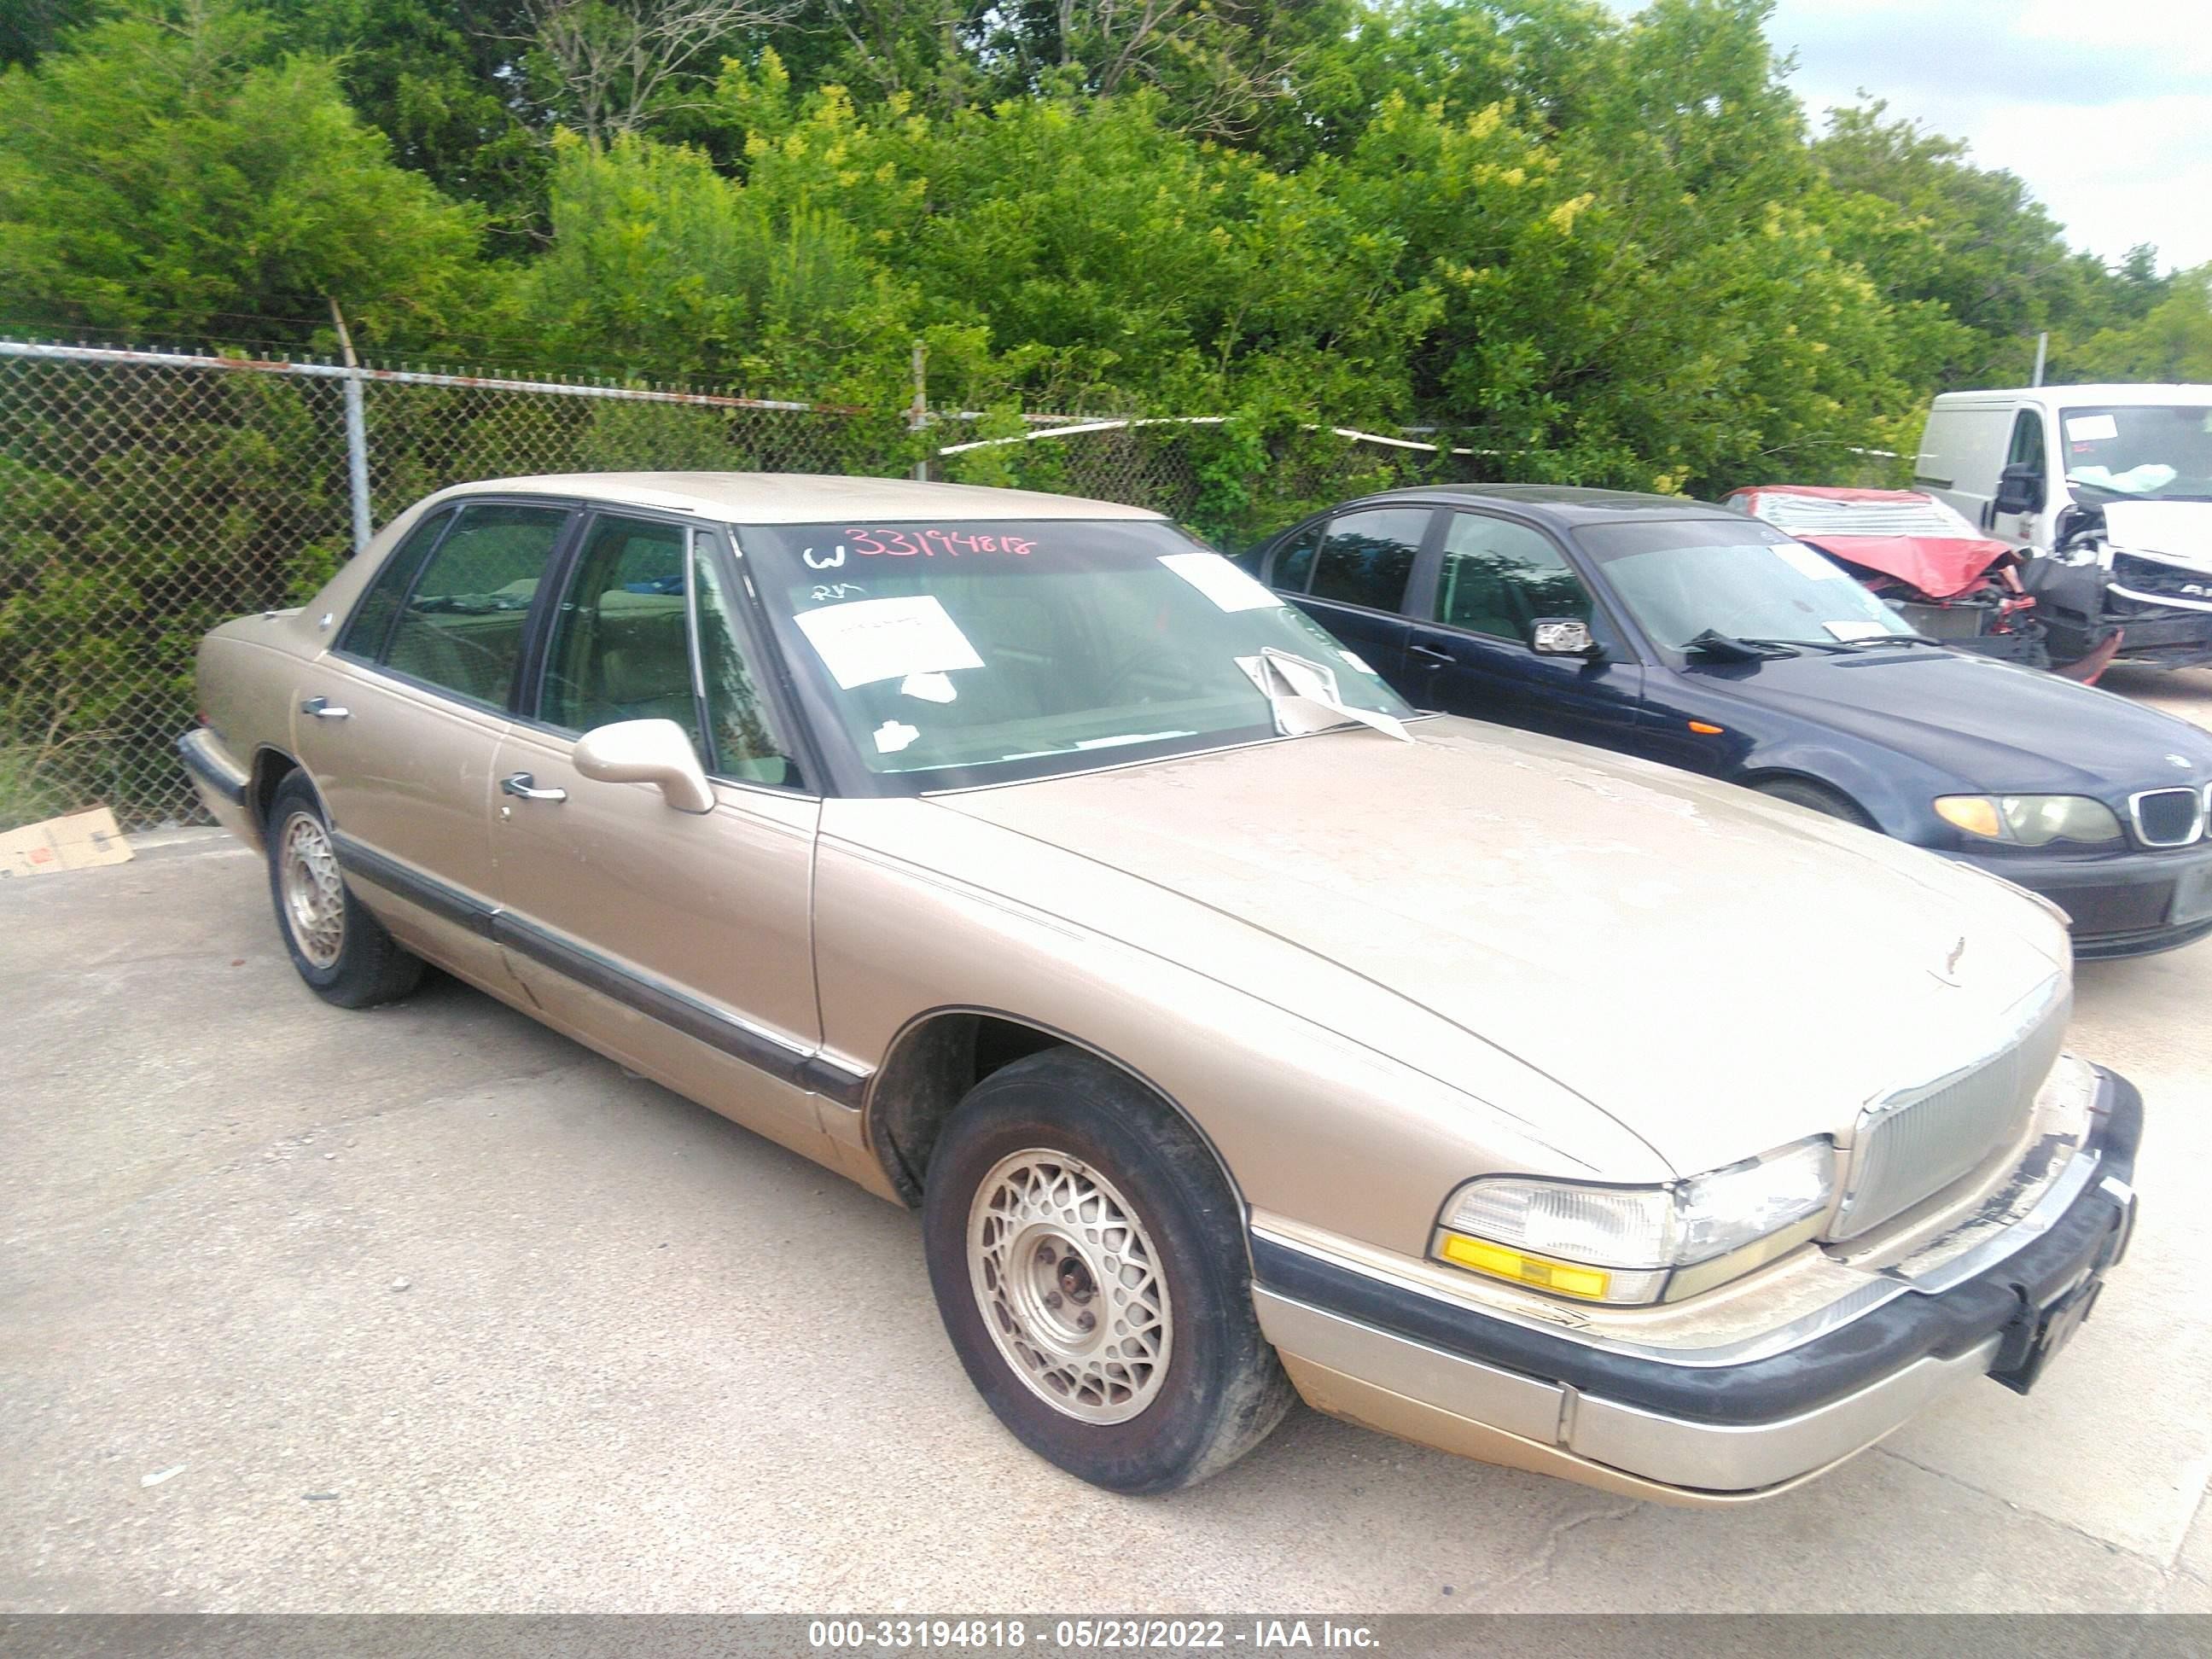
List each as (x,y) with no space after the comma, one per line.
(2029,449)
(1471,652)
(400,724)
(678,942)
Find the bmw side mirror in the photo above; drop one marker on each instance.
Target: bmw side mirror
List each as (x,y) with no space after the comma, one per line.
(647,752)
(2019,489)
(1562,636)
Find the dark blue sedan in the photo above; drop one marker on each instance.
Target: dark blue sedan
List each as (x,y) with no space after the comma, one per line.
(1692,635)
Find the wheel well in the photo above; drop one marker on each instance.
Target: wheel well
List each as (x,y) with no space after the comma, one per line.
(270,769)
(1784,775)
(936,1060)
(933,1065)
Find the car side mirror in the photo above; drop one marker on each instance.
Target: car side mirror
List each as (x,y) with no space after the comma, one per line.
(1562,636)
(647,752)
(2019,489)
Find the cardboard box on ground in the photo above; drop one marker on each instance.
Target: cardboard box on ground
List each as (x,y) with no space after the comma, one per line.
(78,841)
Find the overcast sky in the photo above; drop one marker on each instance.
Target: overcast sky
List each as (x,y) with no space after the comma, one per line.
(2104,108)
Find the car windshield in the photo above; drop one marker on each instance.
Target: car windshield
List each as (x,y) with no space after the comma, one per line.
(1885,512)
(1740,578)
(957,653)
(2150,452)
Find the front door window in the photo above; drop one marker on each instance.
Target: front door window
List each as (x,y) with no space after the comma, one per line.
(1497,578)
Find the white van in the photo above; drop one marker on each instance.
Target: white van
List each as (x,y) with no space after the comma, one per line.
(2113,484)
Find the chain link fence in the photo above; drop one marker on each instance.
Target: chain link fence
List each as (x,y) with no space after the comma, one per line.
(146,496)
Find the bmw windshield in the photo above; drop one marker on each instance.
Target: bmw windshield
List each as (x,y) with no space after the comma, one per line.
(1741,579)
(957,653)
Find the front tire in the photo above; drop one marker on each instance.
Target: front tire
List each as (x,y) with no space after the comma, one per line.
(1090,1263)
(342,951)
(1818,797)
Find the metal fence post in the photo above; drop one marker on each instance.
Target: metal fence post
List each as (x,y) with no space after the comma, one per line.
(917,416)
(356,430)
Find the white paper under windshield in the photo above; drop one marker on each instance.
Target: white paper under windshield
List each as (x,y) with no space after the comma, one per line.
(871,640)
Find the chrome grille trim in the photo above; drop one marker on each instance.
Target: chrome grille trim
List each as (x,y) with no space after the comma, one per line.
(1913,1144)
(2196,817)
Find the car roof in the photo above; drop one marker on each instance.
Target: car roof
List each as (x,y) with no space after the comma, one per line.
(1560,505)
(2100,392)
(1833,492)
(799,497)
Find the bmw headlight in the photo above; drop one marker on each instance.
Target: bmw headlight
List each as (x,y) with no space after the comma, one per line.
(2030,820)
(1624,1245)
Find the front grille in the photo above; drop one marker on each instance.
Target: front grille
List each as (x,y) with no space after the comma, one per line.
(1918,1142)
(2167,817)
(1947,621)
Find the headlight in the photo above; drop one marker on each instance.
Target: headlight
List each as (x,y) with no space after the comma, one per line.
(2030,820)
(1622,1244)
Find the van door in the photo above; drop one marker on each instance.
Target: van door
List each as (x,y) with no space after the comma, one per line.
(2030,449)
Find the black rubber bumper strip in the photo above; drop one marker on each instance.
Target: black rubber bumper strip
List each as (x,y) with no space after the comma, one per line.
(1887,1338)
(208,773)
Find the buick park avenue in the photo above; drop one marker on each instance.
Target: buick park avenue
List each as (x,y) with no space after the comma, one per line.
(1237,1032)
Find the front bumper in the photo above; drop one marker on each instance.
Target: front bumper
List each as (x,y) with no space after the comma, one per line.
(1673,1428)
(2123,904)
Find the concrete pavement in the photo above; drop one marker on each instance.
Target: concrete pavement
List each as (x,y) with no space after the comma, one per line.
(428,1309)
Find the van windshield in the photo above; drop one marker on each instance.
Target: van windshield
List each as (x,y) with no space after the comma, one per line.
(2145,451)
(957,653)
(1740,578)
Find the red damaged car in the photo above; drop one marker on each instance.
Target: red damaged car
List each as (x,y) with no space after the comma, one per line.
(1937,571)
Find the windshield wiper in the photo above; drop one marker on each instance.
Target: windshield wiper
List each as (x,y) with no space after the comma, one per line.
(1294,686)
(1737,648)
(1875,643)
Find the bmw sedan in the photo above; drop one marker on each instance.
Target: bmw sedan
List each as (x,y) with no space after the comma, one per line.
(1691,635)
(1229,1024)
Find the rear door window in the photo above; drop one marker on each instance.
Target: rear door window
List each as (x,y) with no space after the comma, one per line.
(1294,561)
(1367,557)
(461,628)
(371,623)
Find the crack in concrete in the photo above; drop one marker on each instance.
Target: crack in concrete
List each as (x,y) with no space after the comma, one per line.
(1547,1549)
(2165,1572)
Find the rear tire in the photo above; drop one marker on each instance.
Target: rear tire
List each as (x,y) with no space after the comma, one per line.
(1818,797)
(1091,1266)
(342,951)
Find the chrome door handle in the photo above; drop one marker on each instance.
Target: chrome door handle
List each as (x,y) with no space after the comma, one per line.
(523,784)
(323,710)
(1431,655)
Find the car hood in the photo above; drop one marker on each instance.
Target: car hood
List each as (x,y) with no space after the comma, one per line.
(1942,567)
(1720,973)
(1991,725)
(2179,532)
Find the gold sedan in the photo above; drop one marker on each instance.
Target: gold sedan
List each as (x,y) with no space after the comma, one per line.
(1237,1031)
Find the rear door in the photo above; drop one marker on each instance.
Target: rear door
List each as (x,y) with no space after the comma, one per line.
(679,942)
(398,725)
(1351,575)
(1470,653)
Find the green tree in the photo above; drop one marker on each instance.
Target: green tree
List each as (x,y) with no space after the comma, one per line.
(169,176)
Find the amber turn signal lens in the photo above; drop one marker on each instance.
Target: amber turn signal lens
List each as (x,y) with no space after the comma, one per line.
(1564,1277)
(1975,814)
(1704,730)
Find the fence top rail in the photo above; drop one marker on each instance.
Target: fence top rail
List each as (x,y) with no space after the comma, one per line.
(154,359)
(1351,435)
